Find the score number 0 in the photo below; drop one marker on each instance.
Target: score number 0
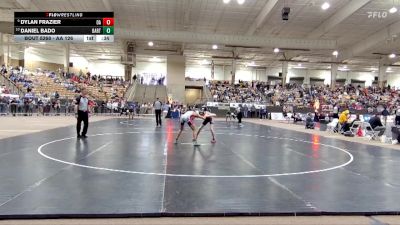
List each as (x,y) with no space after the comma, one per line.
(106,22)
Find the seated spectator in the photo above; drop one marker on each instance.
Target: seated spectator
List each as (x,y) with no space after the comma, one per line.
(296,118)
(343,121)
(355,120)
(375,121)
(310,122)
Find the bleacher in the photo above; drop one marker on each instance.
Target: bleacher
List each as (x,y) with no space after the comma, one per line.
(150,94)
(139,93)
(161,92)
(43,84)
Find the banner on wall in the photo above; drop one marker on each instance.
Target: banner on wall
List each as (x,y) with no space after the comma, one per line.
(279,116)
(234,105)
(212,104)
(224,106)
(258,106)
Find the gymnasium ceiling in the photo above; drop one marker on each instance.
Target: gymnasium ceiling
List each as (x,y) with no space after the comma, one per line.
(250,31)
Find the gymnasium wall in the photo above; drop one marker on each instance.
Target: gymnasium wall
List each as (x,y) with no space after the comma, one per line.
(53,60)
(250,73)
(394,79)
(192,95)
(176,77)
(33,65)
(107,69)
(150,67)
(223,72)
(44,59)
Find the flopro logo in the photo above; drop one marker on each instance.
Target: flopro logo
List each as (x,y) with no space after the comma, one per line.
(377,14)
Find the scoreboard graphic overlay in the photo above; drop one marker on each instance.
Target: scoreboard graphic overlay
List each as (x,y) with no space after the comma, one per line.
(64,26)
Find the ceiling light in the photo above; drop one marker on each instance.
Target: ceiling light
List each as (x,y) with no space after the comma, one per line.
(102,56)
(42,43)
(392,55)
(251,64)
(276,50)
(389,68)
(226,1)
(150,43)
(240,2)
(155,59)
(215,47)
(325,6)
(335,53)
(393,10)
(299,64)
(203,62)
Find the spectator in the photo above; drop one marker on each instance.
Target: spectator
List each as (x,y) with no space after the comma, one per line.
(355,120)
(310,124)
(385,114)
(375,121)
(239,115)
(245,110)
(335,112)
(343,118)
(397,118)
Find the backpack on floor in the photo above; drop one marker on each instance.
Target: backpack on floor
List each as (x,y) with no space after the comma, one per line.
(348,134)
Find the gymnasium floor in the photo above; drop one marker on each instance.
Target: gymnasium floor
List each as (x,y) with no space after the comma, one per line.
(132,168)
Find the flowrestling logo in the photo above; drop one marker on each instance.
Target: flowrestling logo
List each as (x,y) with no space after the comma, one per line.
(377,14)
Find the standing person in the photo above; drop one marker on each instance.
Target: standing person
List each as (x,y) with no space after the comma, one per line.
(245,110)
(188,117)
(13,105)
(253,112)
(82,113)
(158,110)
(239,115)
(385,114)
(335,112)
(208,119)
(131,110)
(40,107)
(397,118)
(57,107)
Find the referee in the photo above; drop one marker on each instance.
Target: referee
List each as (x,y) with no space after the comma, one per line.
(157,109)
(82,113)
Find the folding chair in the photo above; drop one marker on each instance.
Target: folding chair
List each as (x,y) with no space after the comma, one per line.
(379,131)
(331,127)
(356,125)
(369,131)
